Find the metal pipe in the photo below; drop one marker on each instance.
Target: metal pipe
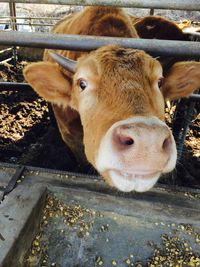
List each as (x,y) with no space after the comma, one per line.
(195,97)
(29,24)
(28,18)
(186,125)
(182,120)
(11,86)
(156,4)
(13,14)
(5,54)
(151,13)
(193,33)
(88,43)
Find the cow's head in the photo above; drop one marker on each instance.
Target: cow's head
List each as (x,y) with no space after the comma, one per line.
(120,99)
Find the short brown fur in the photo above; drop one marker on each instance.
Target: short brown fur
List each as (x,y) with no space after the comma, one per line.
(156,27)
(125,81)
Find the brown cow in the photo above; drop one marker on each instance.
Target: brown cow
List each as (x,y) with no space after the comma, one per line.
(111,100)
(156,27)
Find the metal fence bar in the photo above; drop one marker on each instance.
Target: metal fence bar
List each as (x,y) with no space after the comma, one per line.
(156,4)
(88,43)
(195,97)
(151,13)
(195,34)
(13,14)
(12,86)
(29,24)
(28,18)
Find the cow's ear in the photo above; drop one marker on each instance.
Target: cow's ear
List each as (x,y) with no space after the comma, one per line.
(48,81)
(182,80)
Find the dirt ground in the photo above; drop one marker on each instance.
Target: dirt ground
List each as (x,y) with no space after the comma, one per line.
(29,135)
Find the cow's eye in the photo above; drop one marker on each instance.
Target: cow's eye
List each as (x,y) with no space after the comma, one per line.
(160,82)
(82,84)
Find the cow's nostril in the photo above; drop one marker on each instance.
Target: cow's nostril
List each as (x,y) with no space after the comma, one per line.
(126,140)
(166,143)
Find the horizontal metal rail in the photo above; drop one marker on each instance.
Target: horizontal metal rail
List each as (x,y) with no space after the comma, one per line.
(195,97)
(194,33)
(88,43)
(156,4)
(29,24)
(28,18)
(12,86)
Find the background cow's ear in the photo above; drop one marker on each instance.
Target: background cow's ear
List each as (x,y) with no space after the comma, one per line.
(48,81)
(182,79)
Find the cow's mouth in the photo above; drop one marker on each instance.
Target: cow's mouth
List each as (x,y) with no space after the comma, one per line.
(137,174)
(139,181)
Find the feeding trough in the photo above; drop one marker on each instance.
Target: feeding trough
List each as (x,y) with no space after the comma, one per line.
(64,219)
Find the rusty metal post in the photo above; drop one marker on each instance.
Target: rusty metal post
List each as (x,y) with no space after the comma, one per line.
(14,28)
(13,16)
(151,12)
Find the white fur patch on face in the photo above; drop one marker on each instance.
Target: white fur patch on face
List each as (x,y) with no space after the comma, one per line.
(131,178)
(150,27)
(106,159)
(86,101)
(126,183)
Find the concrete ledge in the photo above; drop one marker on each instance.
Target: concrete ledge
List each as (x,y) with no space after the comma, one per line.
(19,221)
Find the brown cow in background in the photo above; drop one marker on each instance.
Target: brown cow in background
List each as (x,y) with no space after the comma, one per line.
(156,27)
(111,101)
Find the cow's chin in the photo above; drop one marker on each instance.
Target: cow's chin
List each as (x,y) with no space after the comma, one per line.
(127,182)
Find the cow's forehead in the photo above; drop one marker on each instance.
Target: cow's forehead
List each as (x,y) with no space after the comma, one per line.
(126,78)
(114,60)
